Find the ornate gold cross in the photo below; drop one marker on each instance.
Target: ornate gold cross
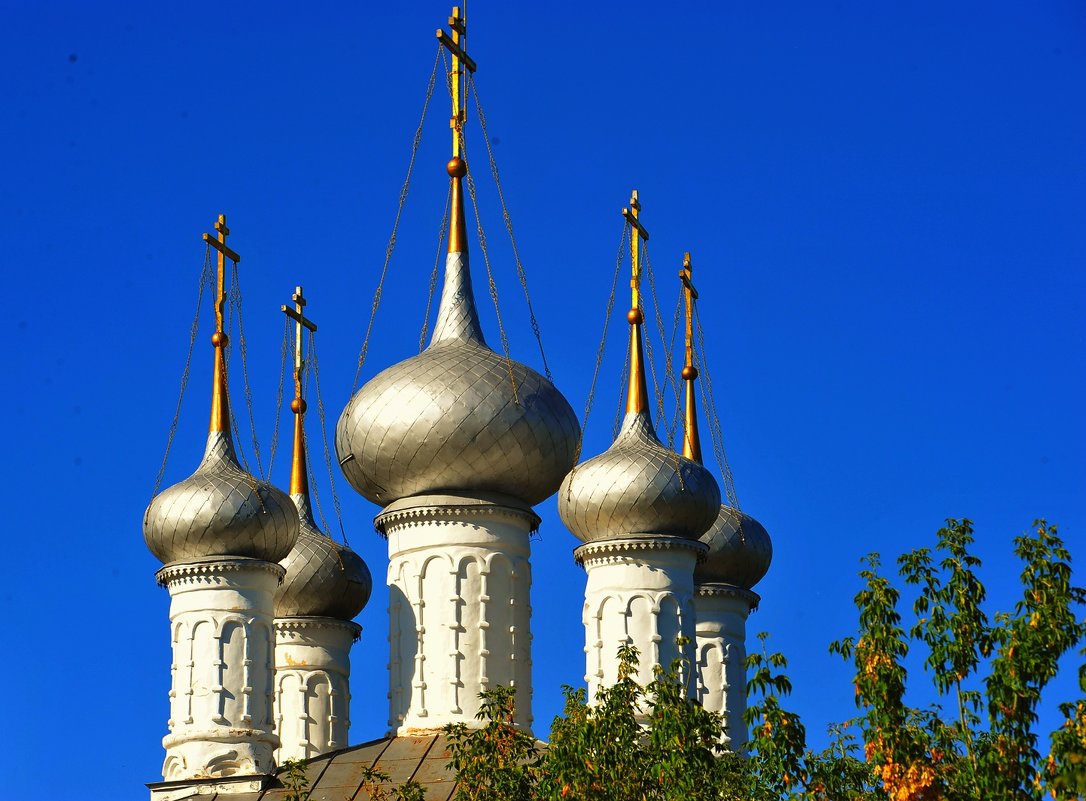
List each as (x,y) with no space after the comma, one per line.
(455,44)
(219,243)
(300,321)
(632,214)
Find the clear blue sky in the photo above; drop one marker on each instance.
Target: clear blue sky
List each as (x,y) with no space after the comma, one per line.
(885,202)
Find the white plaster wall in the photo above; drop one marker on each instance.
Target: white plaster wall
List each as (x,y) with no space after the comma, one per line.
(312,685)
(722,613)
(221,689)
(638,592)
(459,611)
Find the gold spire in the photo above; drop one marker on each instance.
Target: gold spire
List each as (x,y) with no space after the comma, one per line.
(691,441)
(299,476)
(637,393)
(220,400)
(462,63)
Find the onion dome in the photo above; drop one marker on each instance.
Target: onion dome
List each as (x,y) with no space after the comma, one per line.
(458,417)
(323,578)
(739,551)
(220,510)
(638,486)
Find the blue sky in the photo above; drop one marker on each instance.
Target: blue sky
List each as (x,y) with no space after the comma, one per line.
(885,204)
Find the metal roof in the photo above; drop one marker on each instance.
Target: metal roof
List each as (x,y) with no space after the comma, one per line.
(338,776)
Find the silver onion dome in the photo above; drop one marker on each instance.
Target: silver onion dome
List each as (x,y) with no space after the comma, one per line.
(323,578)
(638,487)
(220,510)
(739,551)
(454,419)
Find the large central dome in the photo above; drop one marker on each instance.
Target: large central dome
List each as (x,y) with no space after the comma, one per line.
(458,416)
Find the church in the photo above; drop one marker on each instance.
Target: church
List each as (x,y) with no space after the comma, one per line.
(456,446)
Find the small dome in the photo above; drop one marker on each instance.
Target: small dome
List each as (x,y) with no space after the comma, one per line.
(449,419)
(220,510)
(739,551)
(323,578)
(638,487)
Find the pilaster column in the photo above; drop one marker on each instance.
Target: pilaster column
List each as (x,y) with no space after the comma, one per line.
(639,591)
(221,690)
(722,611)
(312,685)
(459,582)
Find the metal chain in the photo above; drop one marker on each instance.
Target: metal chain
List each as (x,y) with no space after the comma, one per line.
(279,395)
(717,434)
(661,386)
(602,346)
(669,371)
(433,273)
(509,226)
(620,407)
(324,436)
(205,281)
(678,396)
(603,339)
(396,221)
(235,297)
(490,275)
(313,492)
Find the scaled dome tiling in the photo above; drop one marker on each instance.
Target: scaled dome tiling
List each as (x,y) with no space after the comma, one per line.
(449,420)
(220,510)
(740,551)
(638,487)
(323,578)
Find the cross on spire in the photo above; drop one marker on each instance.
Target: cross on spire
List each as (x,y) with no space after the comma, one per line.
(691,440)
(455,44)
(220,401)
(299,478)
(301,321)
(632,215)
(219,243)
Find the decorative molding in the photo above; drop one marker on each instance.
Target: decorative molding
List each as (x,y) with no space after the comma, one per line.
(459,612)
(715,590)
(425,509)
(214,568)
(222,643)
(300,624)
(617,550)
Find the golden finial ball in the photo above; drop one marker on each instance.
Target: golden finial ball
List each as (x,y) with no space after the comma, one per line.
(635,316)
(456,167)
(690,372)
(298,406)
(219,339)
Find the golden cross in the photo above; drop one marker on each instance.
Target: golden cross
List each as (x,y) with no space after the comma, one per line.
(691,440)
(219,243)
(632,214)
(689,295)
(455,44)
(300,321)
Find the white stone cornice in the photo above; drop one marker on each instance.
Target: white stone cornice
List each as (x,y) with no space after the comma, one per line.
(720,590)
(423,510)
(215,569)
(622,548)
(288,625)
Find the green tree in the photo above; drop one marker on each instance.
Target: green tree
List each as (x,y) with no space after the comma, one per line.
(654,743)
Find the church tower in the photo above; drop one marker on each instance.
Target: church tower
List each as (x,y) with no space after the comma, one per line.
(326,585)
(220,534)
(739,552)
(639,508)
(457,444)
